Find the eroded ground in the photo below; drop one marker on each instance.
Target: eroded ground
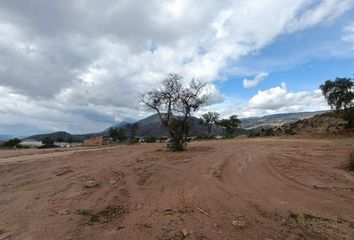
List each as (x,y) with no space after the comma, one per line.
(235,189)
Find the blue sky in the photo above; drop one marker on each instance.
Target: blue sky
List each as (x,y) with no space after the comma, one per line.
(303,60)
(87,73)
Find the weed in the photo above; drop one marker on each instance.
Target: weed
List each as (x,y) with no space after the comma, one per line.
(94,218)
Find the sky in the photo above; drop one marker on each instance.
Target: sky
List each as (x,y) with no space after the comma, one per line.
(81,66)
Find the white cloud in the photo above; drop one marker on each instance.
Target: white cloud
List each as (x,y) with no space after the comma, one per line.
(281,100)
(319,12)
(250,83)
(99,58)
(349,34)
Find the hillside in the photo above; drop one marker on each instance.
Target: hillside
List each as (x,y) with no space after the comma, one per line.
(151,126)
(276,119)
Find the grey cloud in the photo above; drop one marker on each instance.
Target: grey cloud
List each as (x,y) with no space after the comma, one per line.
(64,62)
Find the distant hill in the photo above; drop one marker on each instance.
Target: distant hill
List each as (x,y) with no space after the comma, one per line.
(151,126)
(64,136)
(6,137)
(276,119)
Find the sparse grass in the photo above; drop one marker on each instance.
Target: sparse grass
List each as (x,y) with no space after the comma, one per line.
(94,218)
(84,212)
(349,164)
(106,215)
(310,220)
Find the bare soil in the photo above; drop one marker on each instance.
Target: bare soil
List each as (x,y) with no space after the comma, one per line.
(265,188)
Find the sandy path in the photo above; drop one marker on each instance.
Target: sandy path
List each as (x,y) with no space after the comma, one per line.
(236,189)
(50,154)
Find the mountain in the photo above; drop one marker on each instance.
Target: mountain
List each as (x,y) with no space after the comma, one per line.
(6,137)
(65,136)
(151,126)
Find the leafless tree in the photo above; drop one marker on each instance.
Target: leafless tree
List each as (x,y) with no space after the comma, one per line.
(174,103)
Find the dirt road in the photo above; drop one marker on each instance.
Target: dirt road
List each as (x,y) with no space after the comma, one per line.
(234,189)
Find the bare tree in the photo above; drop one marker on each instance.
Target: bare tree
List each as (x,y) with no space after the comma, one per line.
(209,120)
(174,103)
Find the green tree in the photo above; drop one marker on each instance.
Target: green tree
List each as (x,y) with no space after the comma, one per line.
(209,120)
(175,103)
(12,143)
(230,125)
(117,134)
(338,93)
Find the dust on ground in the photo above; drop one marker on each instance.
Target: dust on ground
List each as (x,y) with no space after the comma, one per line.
(265,188)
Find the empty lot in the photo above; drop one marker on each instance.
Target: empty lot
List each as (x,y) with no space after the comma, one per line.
(265,188)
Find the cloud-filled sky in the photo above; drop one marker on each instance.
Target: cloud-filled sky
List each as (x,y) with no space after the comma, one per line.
(80,66)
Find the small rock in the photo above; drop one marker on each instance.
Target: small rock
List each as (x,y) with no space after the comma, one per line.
(112,182)
(64,211)
(185,232)
(63,172)
(90,184)
(239,223)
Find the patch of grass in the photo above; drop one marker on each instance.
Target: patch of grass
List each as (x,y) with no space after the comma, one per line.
(84,212)
(106,215)
(94,218)
(311,217)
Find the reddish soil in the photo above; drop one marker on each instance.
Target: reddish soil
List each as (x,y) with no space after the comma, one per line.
(265,188)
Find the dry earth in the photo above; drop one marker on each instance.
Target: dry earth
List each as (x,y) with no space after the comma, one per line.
(266,188)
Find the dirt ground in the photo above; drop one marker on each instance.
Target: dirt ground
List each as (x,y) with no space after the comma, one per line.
(264,188)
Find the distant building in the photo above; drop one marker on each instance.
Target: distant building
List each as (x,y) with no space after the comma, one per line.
(31,143)
(96,141)
(67,145)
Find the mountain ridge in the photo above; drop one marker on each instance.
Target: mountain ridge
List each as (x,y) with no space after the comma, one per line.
(151,126)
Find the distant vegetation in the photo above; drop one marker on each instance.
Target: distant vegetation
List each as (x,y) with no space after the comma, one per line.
(117,134)
(12,143)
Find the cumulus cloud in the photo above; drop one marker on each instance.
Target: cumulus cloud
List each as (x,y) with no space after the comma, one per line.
(88,60)
(280,99)
(250,83)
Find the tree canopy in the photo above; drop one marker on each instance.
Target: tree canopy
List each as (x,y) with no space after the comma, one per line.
(209,120)
(174,103)
(230,125)
(117,134)
(338,93)
(12,143)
